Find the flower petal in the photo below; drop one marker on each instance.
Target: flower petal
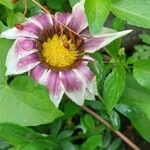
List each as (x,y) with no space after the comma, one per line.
(37,72)
(75,86)
(24,46)
(27,29)
(89,95)
(42,20)
(56,88)
(95,43)
(79,20)
(90,79)
(16,64)
(63,17)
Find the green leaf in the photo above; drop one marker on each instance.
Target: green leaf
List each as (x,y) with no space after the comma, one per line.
(114,145)
(24,137)
(145,38)
(26,103)
(73,2)
(141,72)
(135,104)
(67,145)
(114,86)
(113,48)
(115,120)
(92,143)
(97,12)
(58,5)
(7,3)
(134,12)
(14,18)
(17,135)
(89,123)
(2,27)
(4,47)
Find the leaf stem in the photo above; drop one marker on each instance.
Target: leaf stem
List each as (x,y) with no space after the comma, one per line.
(118,133)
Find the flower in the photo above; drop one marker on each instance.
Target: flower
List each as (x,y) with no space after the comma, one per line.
(55,56)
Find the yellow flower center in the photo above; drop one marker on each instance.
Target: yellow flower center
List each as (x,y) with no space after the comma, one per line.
(59,52)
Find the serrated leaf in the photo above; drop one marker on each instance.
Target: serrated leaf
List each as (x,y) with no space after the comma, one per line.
(134,12)
(26,103)
(113,87)
(97,12)
(7,3)
(141,72)
(135,104)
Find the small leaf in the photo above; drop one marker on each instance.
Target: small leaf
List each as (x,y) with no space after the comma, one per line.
(134,12)
(14,18)
(115,120)
(114,145)
(145,38)
(114,86)
(92,143)
(141,72)
(97,12)
(7,3)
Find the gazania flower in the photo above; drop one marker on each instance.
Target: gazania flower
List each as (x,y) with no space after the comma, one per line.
(55,56)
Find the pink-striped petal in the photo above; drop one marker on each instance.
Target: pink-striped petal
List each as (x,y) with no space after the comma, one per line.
(63,17)
(79,20)
(37,72)
(95,43)
(43,20)
(75,86)
(17,65)
(27,29)
(56,88)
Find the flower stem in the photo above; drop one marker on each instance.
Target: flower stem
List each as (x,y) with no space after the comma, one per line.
(118,133)
(25,7)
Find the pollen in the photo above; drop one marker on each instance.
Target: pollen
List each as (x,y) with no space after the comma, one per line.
(59,52)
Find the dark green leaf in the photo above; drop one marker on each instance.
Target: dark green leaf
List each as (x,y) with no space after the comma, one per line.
(141,72)
(97,12)
(114,145)
(134,12)
(66,145)
(114,86)
(135,104)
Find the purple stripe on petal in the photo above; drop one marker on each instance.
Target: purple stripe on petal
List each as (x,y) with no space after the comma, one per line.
(56,88)
(63,17)
(71,81)
(31,27)
(54,82)
(27,60)
(93,44)
(79,20)
(37,72)
(43,20)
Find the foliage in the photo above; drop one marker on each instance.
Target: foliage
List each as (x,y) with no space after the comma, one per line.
(30,121)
